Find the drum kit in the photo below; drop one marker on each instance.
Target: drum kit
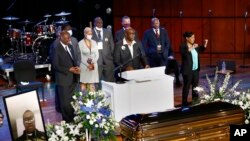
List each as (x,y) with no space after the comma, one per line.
(33,44)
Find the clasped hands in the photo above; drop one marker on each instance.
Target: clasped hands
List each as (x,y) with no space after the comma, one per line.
(91,67)
(75,70)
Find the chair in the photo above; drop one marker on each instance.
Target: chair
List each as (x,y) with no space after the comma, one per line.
(24,71)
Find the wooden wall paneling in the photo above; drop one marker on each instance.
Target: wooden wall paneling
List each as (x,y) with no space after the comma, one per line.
(223,35)
(175,33)
(239,35)
(176,7)
(194,25)
(117,24)
(192,8)
(219,8)
(241,7)
(227,22)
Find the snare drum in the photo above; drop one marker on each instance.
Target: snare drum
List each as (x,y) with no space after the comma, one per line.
(14,33)
(27,39)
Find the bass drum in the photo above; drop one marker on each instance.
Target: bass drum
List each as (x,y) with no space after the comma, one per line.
(41,47)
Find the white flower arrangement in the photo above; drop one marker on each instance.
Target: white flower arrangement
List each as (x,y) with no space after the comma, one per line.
(93,112)
(220,92)
(64,132)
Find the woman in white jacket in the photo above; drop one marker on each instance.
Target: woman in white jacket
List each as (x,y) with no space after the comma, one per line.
(89,56)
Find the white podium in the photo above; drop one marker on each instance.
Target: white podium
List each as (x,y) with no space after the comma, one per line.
(147,91)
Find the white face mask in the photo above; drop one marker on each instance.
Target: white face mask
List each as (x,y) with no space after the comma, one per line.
(89,37)
(70,32)
(98,28)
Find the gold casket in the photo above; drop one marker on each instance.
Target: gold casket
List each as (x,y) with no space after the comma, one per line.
(200,122)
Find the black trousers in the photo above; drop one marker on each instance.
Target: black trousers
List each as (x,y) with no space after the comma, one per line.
(65,94)
(189,79)
(173,65)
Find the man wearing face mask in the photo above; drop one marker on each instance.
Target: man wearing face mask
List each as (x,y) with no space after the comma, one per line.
(105,44)
(119,35)
(74,43)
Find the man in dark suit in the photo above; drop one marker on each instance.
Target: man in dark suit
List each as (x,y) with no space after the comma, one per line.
(105,42)
(119,35)
(156,44)
(130,53)
(66,71)
(77,55)
(190,66)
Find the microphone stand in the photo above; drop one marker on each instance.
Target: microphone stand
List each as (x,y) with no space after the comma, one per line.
(210,36)
(181,15)
(244,50)
(120,67)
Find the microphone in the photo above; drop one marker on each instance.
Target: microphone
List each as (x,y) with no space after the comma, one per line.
(128,61)
(209,12)
(181,12)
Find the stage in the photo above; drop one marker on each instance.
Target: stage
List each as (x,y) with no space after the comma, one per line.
(7,68)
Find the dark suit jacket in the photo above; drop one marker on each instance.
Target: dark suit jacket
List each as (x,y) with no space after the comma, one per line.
(186,57)
(106,54)
(77,52)
(61,62)
(119,35)
(123,55)
(150,43)
(76,49)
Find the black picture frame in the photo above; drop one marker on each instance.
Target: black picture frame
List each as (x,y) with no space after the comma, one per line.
(16,105)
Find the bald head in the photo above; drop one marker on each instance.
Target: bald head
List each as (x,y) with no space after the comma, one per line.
(98,22)
(130,34)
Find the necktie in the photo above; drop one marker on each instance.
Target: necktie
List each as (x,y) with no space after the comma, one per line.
(68,51)
(157,33)
(99,35)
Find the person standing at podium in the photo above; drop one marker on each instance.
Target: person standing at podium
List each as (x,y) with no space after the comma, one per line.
(129,54)
(190,66)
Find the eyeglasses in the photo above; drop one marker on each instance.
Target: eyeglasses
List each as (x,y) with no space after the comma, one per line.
(29,120)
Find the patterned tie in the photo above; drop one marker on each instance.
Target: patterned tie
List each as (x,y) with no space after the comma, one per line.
(157,33)
(99,35)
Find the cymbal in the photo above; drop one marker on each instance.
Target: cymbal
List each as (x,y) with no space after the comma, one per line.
(63,14)
(47,16)
(10,18)
(25,22)
(61,22)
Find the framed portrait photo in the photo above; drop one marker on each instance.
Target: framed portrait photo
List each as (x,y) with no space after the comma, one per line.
(24,115)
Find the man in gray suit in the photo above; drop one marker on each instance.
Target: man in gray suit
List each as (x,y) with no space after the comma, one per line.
(105,43)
